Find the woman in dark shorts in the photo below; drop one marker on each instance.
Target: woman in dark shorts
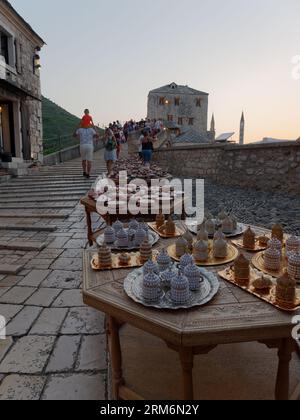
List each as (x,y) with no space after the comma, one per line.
(147,149)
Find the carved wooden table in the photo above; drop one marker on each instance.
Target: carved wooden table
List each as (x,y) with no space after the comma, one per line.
(91,207)
(232,317)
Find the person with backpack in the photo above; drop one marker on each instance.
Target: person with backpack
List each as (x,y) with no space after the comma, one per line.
(110,145)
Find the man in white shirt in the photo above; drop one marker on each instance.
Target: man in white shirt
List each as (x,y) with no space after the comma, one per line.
(86,137)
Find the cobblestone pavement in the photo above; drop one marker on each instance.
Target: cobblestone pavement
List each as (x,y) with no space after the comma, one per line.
(254,207)
(56,347)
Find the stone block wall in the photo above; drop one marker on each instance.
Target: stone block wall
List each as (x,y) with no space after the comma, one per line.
(271,167)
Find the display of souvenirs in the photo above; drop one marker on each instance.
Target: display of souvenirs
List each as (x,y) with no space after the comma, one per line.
(122,239)
(168,228)
(181,247)
(185,260)
(292,245)
(150,267)
(160,220)
(220,249)
(210,227)
(180,289)
(133,225)
(117,226)
(262,284)
(275,244)
(227,225)
(190,239)
(109,235)
(104,257)
(163,260)
(202,234)
(151,287)
(263,241)
(192,273)
(286,290)
(140,236)
(294,266)
(272,258)
(201,251)
(277,232)
(222,216)
(249,239)
(219,235)
(124,259)
(146,251)
(167,277)
(242,268)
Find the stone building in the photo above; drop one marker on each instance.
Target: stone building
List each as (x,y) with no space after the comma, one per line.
(20,88)
(183,106)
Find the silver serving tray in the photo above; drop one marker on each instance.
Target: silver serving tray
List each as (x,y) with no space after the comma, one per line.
(209,288)
(153,239)
(192,226)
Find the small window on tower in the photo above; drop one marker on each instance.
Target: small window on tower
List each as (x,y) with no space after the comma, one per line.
(177,101)
(191,121)
(199,102)
(170,117)
(180,121)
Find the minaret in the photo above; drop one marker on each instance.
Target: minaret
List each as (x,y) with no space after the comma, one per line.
(242,130)
(213,128)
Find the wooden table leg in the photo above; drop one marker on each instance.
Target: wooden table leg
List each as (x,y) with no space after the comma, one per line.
(89,226)
(283,376)
(187,364)
(116,356)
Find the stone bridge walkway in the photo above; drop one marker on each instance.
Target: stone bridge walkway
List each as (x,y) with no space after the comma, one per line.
(56,346)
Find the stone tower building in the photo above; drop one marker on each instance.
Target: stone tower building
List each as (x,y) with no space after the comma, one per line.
(20,88)
(242,130)
(182,105)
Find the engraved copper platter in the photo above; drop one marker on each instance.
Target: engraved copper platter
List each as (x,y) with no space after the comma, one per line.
(259,263)
(268,296)
(135,261)
(232,254)
(179,231)
(258,248)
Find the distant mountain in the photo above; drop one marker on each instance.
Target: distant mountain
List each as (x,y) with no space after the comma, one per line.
(56,120)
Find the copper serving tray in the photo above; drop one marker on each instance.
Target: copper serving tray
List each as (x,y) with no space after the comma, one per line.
(259,263)
(269,296)
(135,262)
(258,248)
(179,232)
(232,254)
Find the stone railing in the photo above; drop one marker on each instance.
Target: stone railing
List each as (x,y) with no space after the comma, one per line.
(269,167)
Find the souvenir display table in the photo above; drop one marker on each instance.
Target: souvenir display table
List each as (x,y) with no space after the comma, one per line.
(232,316)
(90,206)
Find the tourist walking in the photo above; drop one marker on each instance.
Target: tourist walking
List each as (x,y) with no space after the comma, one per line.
(86,137)
(147,148)
(110,145)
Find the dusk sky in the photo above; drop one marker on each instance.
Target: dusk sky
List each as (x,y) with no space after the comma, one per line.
(107,55)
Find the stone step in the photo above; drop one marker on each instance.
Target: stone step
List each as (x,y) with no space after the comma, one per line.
(46,206)
(21,215)
(28,228)
(11,270)
(38,194)
(41,199)
(23,246)
(17,190)
(48,185)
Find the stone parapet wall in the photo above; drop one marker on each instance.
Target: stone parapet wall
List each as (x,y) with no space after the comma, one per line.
(269,167)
